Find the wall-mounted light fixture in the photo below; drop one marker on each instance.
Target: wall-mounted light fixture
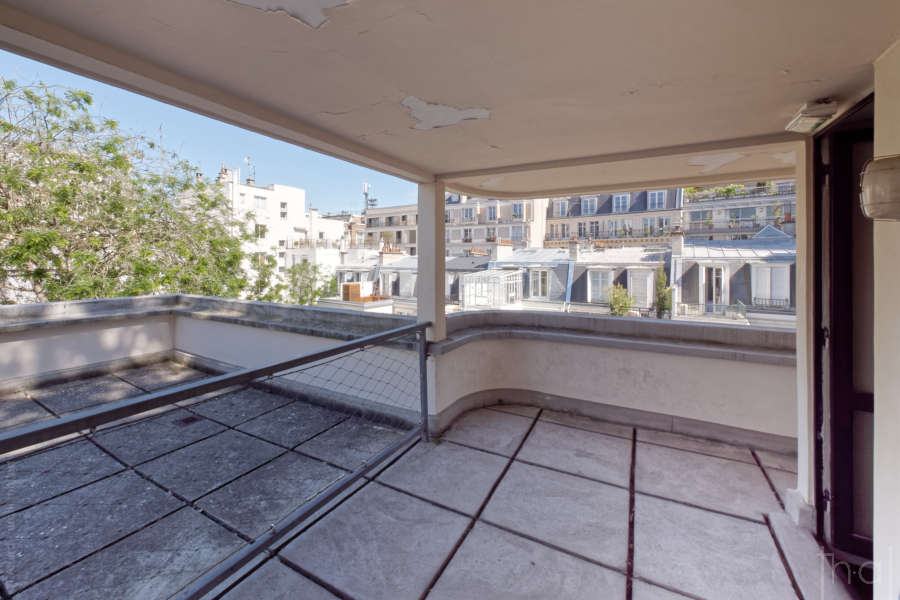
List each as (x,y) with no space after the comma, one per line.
(812,115)
(880,189)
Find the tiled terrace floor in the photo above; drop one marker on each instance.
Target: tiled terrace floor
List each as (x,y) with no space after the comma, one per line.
(513,502)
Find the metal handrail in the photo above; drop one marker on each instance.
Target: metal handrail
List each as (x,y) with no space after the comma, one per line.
(94,417)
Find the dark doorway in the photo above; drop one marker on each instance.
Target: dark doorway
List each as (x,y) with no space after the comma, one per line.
(844,312)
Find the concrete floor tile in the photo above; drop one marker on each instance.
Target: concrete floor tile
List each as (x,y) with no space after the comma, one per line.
(451,475)
(380,544)
(261,498)
(56,533)
(707,554)
(43,475)
(351,443)
(275,581)
(581,516)
(581,452)
(646,591)
(522,410)
(236,407)
(152,564)
(147,439)
(586,423)
(160,375)
(782,480)
(492,563)
(489,430)
(201,467)
(692,444)
(293,424)
(785,462)
(76,395)
(16,410)
(717,483)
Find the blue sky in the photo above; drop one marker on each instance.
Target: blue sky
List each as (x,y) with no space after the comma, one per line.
(330,184)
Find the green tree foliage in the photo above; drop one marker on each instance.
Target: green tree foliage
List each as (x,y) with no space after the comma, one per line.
(662,295)
(619,300)
(88,211)
(305,284)
(266,285)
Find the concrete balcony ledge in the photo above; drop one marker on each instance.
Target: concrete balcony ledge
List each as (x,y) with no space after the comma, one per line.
(315,321)
(715,341)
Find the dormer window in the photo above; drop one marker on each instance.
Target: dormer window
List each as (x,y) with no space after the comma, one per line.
(656,200)
(620,202)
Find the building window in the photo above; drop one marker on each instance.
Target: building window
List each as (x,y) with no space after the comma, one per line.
(492,213)
(372,222)
(399,236)
(554,231)
(517,234)
(412,250)
(620,202)
(656,200)
(260,202)
(518,210)
(562,208)
(412,237)
(588,206)
(260,231)
(446,216)
(468,214)
(403,219)
(540,284)
(564,231)
(284,216)
(388,221)
(282,243)
(467,235)
(595,229)
(582,230)
(491,234)
(599,283)
(640,283)
(321,235)
(284,206)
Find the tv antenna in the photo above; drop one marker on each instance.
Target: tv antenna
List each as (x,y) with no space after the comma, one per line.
(251,167)
(368,202)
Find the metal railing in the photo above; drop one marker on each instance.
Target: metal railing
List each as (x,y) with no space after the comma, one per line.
(317,368)
(753,192)
(94,417)
(781,303)
(689,309)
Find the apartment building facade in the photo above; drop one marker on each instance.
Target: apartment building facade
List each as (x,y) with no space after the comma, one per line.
(624,218)
(481,225)
(737,212)
(275,213)
(392,227)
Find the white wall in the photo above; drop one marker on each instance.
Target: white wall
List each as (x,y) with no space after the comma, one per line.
(887,344)
(241,345)
(45,350)
(747,395)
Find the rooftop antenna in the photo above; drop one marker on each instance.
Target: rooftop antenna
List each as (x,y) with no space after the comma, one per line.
(252,168)
(368,202)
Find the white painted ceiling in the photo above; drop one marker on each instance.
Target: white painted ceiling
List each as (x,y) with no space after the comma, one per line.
(430,87)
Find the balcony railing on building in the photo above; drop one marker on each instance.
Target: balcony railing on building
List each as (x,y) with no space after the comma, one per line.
(728,193)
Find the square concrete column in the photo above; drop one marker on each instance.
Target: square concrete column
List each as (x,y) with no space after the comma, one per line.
(431,253)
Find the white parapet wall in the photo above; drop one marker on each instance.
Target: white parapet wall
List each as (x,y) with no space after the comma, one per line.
(733,384)
(46,350)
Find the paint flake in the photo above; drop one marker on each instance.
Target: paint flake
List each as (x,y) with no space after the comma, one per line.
(310,12)
(432,116)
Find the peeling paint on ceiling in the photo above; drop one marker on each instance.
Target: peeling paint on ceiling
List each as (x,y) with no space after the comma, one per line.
(712,162)
(310,12)
(788,158)
(492,181)
(433,116)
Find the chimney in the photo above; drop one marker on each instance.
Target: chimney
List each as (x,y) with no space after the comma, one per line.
(250,181)
(677,242)
(502,251)
(574,251)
